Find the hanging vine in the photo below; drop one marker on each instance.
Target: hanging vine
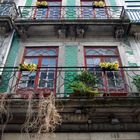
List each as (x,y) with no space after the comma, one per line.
(41,115)
(45,118)
(5,114)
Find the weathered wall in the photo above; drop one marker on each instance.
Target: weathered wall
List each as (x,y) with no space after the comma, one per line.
(79,136)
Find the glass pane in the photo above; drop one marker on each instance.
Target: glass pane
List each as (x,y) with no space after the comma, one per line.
(115,80)
(40,52)
(31,61)
(48,62)
(100,13)
(54,12)
(93,62)
(87,12)
(41,13)
(100,79)
(111,59)
(45,77)
(101,51)
(27,79)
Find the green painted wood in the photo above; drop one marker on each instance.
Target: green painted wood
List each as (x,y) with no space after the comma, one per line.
(25,11)
(7,73)
(112,2)
(12,56)
(28,2)
(71,13)
(71,2)
(70,61)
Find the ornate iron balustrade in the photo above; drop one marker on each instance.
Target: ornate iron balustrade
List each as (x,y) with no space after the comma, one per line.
(8,10)
(54,13)
(134,15)
(58,79)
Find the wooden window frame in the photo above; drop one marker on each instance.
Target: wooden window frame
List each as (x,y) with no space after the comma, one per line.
(102,58)
(36,88)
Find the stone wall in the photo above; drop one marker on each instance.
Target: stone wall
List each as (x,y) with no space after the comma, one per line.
(79,136)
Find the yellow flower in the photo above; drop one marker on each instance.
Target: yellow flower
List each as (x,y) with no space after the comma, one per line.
(29,67)
(109,65)
(101,4)
(38,3)
(44,3)
(96,3)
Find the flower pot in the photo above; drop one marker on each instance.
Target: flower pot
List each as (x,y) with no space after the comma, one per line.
(42,6)
(97,6)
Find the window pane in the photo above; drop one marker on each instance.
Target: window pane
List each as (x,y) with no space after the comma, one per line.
(101,51)
(40,52)
(31,61)
(111,59)
(48,62)
(46,78)
(54,12)
(93,62)
(27,79)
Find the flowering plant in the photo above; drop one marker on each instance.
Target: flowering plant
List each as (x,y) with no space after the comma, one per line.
(28,67)
(41,3)
(109,65)
(99,4)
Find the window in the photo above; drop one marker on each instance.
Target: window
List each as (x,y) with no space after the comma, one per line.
(44,77)
(90,12)
(49,12)
(108,81)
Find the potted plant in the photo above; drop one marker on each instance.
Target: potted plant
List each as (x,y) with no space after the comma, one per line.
(109,65)
(27,67)
(136,82)
(98,4)
(84,84)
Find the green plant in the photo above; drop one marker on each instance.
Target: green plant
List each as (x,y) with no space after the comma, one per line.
(84,84)
(87,78)
(136,81)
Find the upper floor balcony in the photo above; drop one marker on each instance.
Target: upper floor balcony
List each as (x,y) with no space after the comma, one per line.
(109,103)
(133,15)
(8,13)
(71,15)
(64,17)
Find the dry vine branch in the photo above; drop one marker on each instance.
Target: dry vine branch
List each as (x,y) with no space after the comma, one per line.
(5,114)
(45,119)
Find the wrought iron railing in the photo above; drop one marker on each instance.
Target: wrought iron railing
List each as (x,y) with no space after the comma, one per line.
(70,12)
(134,15)
(58,79)
(8,9)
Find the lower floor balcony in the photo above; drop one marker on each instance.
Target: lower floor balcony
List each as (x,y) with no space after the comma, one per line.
(75,99)
(71,81)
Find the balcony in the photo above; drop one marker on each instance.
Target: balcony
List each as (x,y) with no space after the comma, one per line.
(62,17)
(115,107)
(8,13)
(133,15)
(58,79)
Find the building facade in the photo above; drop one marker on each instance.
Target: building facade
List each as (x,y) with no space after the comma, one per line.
(63,39)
